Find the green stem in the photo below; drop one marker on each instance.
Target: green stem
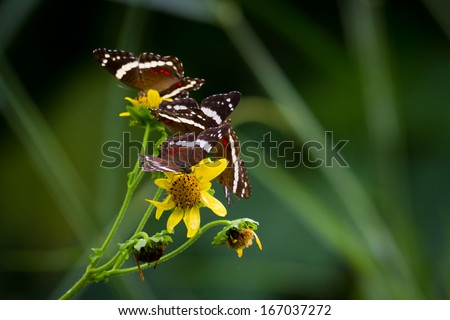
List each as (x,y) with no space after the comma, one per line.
(133,180)
(117,260)
(174,253)
(84,280)
(108,264)
(148,212)
(140,234)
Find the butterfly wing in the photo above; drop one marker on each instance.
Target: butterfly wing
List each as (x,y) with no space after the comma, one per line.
(181,116)
(160,73)
(185,115)
(189,149)
(181,88)
(218,107)
(156,164)
(123,65)
(164,74)
(234,178)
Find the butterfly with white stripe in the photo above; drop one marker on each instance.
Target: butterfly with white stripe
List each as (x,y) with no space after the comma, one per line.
(179,153)
(185,115)
(146,71)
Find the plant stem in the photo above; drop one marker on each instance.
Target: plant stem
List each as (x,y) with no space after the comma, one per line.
(174,252)
(83,281)
(133,181)
(148,212)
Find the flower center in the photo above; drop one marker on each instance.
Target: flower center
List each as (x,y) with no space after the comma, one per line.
(185,191)
(238,239)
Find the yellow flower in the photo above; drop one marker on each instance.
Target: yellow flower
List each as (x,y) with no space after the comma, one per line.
(187,192)
(238,235)
(238,240)
(151,100)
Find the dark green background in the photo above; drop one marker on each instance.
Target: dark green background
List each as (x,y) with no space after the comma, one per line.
(376,73)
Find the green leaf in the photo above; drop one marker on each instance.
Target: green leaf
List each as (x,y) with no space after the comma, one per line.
(162,236)
(140,244)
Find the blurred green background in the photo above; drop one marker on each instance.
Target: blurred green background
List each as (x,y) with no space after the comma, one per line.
(376,73)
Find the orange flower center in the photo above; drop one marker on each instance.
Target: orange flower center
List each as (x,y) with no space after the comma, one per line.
(185,191)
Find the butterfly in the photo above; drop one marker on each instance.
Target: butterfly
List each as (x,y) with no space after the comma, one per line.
(180,152)
(185,115)
(164,74)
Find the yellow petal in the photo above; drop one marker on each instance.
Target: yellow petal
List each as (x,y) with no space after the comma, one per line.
(257,241)
(207,170)
(239,252)
(169,175)
(174,219)
(134,102)
(163,183)
(205,186)
(192,221)
(215,205)
(124,114)
(167,204)
(154,99)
